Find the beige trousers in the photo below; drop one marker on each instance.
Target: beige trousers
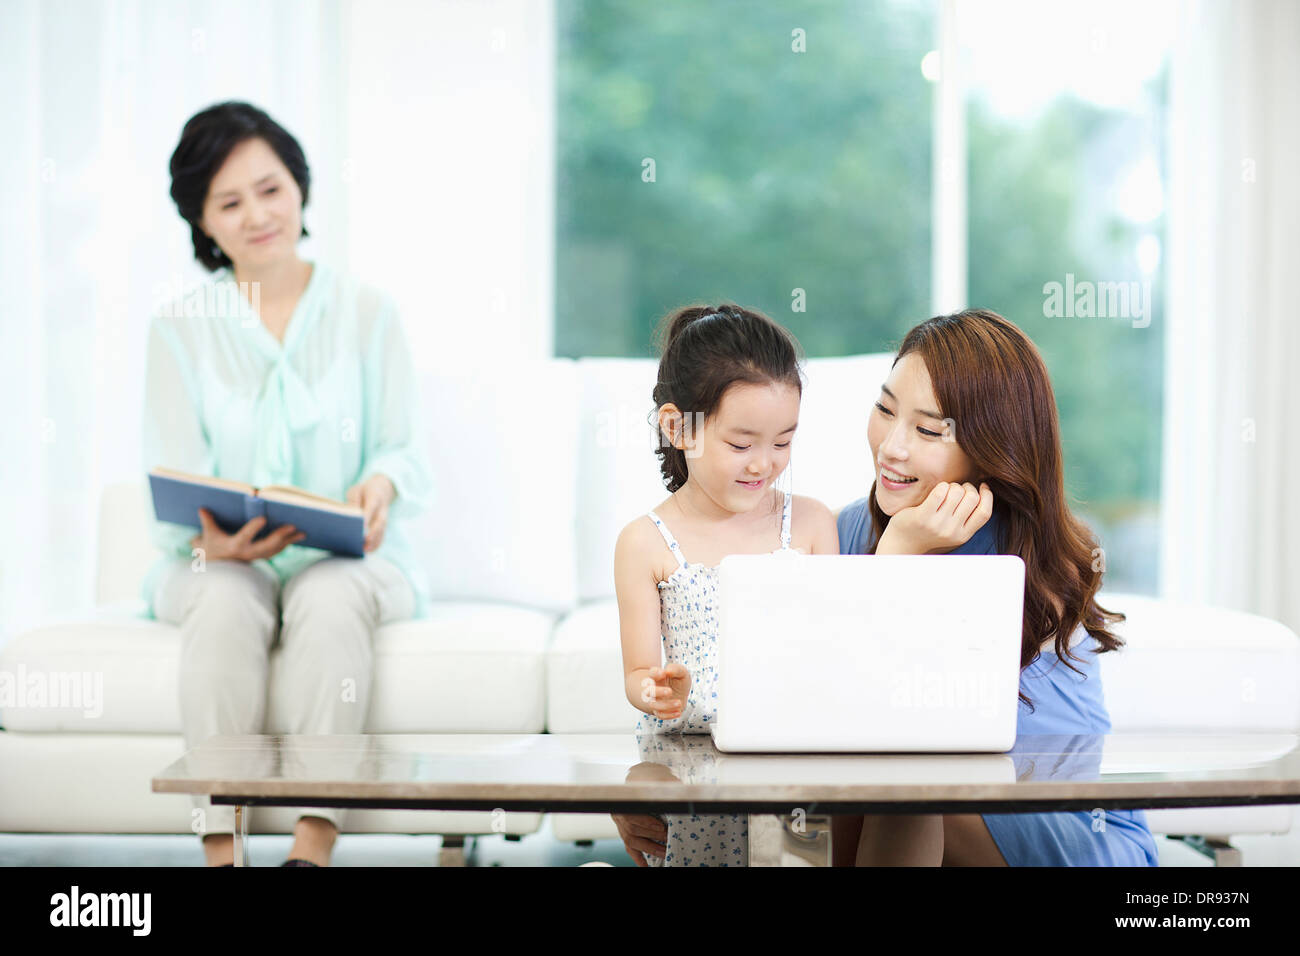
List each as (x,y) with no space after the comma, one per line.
(232,613)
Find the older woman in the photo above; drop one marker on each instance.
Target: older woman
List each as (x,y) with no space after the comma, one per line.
(277,371)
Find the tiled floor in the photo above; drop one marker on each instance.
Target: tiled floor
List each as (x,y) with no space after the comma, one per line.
(538,849)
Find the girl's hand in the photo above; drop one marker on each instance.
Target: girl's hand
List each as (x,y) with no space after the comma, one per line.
(373,496)
(641,834)
(665,690)
(216,545)
(946,519)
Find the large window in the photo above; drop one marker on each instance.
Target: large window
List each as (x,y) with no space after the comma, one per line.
(1065,136)
(742,151)
(783,155)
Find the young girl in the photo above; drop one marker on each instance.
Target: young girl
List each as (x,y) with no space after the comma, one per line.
(969,400)
(727,401)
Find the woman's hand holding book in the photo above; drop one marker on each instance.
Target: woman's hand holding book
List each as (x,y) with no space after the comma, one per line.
(373,496)
(216,545)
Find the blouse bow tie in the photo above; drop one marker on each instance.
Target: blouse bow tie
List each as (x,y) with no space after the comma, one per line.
(286,405)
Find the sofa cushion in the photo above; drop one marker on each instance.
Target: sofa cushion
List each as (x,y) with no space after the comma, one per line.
(125,552)
(584,674)
(110,670)
(470,668)
(1199,669)
(503,447)
(618,472)
(831,459)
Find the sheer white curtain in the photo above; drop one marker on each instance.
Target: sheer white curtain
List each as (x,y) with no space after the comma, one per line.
(428,131)
(1230,510)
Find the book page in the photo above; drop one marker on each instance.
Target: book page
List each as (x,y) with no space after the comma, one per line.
(203,480)
(296,496)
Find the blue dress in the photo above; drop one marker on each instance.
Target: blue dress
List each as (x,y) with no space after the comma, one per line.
(1066,704)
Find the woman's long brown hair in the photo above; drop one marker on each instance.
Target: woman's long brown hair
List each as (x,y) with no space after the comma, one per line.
(990,379)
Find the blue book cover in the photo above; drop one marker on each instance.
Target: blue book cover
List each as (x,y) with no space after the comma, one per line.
(330,525)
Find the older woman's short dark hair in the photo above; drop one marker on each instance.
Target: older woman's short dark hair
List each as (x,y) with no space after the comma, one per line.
(207,139)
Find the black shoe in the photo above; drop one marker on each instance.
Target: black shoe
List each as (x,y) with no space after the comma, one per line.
(297,862)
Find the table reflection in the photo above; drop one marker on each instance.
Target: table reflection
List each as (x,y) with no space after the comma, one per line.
(693,759)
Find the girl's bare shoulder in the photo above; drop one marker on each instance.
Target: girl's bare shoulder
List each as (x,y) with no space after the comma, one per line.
(811,524)
(637,538)
(641,552)
(809,511)
(640,539)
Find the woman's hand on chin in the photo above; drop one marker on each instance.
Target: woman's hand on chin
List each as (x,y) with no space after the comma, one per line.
(945,520)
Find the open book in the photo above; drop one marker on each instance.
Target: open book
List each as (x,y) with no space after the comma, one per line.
(330,525)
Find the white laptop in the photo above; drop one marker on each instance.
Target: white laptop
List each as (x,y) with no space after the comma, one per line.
(868,653)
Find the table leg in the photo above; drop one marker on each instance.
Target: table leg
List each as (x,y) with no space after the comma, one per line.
(452,852)
(241,834)
(789,839)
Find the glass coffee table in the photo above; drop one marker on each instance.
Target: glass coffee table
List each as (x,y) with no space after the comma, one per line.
(789,797)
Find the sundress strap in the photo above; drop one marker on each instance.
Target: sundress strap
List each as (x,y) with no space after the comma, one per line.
(785,524)
(668,537)
(677,551)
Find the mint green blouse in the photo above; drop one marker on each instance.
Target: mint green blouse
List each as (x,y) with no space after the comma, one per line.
(334,404)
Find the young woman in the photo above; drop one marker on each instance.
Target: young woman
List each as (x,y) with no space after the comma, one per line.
(969,400)
(277,371)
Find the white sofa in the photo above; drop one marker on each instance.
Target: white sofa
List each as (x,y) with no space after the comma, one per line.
(538,466)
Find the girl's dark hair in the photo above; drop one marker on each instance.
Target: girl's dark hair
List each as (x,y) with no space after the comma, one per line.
(991,380)
(704,350)
(206,141)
